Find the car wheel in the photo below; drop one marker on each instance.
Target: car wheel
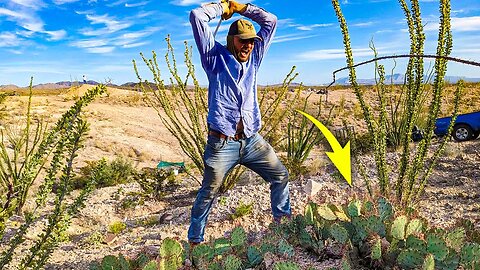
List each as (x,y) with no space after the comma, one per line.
(462,132)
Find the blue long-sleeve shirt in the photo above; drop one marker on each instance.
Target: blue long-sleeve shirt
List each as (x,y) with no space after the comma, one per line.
(232,85)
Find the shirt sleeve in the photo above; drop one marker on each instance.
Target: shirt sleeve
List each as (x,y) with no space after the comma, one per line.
(202,33)
(268,26)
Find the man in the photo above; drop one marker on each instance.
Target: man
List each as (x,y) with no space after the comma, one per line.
(234,115)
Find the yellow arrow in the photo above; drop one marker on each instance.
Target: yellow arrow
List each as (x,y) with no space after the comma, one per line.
(340,156)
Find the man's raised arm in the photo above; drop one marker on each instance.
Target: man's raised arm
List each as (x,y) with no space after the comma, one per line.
(202,33)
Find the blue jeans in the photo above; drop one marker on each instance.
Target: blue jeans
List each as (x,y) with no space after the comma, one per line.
(220,157)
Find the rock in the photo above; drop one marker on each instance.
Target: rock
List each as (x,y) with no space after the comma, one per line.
(109,238)
(312,187)
(166,218)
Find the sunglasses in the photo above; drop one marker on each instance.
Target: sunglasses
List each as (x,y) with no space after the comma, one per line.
(247,41)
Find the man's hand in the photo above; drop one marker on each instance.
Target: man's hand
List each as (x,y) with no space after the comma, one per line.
(233,7)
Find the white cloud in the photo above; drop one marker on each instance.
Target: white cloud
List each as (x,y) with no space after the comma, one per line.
(8,39)
(33,4)
(333,54)
(364,24)
(313,26)
(61,2)
(91,43)
(56,35)
(139,4)
(13,14)
(133,45)
(285,38)
(111,25)
(106,49)
(187,2)
(466,24)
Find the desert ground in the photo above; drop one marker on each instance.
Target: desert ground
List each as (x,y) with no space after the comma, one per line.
(122,125)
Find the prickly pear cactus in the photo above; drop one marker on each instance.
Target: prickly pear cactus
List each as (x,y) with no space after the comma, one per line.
(375,225)
(415,227)
(410,259)
(285,249)
(309,213)
(385,209)
(326,213)
(202,255)
(437,247)
(110,262)
(398,227)
(376,249)
(471,256)
(354,208)
(416,244)
(221,246)
(429,263)
(232,263)
(170,254)
(285,266)
(238,237)
(124,265)
(456,239)
(339,212)
(254,256)
(339,233)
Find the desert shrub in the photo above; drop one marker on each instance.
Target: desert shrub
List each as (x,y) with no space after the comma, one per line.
(415,166)
(183,109)
(51,151)
(302,136)
(154,181)
(117,227)
(242,209)
(3,112)
(118,171)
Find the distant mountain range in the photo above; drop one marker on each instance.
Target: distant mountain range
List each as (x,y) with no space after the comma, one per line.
(389,79)
(400,79)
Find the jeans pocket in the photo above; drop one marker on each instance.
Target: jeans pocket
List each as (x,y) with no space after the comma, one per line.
(215,143)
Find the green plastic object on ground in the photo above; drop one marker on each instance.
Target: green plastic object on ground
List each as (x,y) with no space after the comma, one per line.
(166,164)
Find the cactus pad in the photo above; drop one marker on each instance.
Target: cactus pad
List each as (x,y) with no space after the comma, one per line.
(339,233)
(398,227)
(437,247)
(286,266)
(232,262)
(429,263)
(410,259)
(354,208)
(385,209)
(456,239)
(238,237)
(326,213)
(254,257)
(415,227)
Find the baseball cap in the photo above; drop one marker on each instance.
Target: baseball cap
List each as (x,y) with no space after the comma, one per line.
(243,29)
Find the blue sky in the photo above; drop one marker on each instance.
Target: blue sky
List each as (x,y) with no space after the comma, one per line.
(61,40)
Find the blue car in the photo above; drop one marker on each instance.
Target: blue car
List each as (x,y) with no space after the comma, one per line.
(466,127)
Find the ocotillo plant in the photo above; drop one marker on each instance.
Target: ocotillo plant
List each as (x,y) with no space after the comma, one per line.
(412,175)
(54,152)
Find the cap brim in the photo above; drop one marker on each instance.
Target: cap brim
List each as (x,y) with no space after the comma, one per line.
(249,36)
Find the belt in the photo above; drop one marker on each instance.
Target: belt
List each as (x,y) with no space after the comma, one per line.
(236,137)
